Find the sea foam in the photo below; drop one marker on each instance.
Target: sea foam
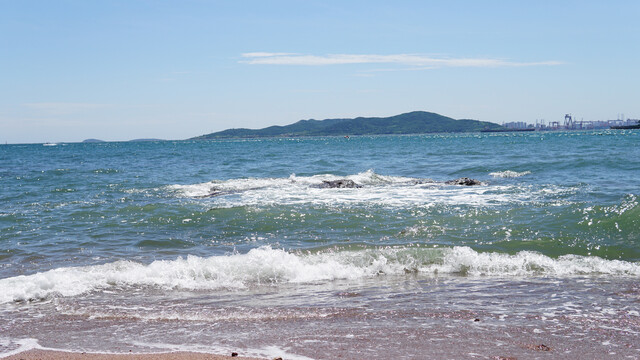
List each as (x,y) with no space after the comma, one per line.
(509,174)
(269,266)
(379,190)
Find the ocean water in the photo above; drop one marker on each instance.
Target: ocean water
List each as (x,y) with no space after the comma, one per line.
(235,245)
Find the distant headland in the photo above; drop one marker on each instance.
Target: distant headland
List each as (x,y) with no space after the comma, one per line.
(416,122)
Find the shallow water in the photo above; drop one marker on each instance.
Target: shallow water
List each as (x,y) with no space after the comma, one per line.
(123,238)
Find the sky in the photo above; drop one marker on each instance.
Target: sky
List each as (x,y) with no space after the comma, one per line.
(127,69)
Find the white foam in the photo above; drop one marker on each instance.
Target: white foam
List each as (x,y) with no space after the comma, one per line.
(16,346)
(268,266)
(379,190)
(526,263)
(368,177)
(141,313)
(269,352)
(509,174)
(273,352)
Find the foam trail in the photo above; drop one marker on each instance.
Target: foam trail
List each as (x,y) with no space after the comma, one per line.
(368,177)
(509,174)
(268,266)
(379,190)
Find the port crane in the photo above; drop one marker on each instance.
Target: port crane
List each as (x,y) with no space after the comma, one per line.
(568,121)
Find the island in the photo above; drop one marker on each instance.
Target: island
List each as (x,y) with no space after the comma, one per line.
(416,122)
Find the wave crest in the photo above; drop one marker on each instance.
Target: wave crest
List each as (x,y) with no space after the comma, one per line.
(268,266)
(379,190)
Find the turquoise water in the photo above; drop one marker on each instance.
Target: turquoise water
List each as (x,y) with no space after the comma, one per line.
(85,226)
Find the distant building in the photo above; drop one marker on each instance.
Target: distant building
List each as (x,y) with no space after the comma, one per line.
(515,125)
(572,124)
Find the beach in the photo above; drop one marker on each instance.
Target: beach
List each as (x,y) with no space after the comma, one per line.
(58,355)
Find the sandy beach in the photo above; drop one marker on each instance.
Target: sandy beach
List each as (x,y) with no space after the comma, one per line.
(60,355)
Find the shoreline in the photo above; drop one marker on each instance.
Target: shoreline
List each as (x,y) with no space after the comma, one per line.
(40,354)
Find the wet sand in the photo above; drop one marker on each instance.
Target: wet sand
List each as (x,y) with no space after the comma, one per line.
(61,355)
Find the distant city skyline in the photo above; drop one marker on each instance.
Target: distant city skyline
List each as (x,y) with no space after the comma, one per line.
(120,70)
(571,123)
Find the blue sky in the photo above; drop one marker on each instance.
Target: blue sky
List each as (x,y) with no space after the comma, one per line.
(120,70)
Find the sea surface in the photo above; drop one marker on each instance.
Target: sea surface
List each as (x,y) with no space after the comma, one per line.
(237,245)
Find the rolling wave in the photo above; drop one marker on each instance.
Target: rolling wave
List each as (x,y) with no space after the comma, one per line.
(269,266)
(393,191)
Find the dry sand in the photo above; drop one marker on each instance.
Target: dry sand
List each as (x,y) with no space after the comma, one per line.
(61,355)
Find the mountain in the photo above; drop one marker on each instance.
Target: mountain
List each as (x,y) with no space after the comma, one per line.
(417,122)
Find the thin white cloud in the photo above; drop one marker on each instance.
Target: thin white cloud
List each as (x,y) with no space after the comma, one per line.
(416,61)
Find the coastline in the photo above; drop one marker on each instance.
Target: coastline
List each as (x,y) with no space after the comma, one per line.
(38,354)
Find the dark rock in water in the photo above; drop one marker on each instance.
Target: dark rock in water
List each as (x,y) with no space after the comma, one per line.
(214,192)
(340,184)
(234,354)
(463,181)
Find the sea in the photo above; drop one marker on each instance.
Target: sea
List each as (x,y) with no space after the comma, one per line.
(242,245)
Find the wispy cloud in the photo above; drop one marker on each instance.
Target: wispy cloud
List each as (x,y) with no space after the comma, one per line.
(420,62)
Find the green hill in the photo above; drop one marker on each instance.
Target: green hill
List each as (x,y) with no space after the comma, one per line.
(417,122)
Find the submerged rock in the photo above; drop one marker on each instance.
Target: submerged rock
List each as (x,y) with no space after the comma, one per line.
(464,181)
(214,192)
(211,194)
(340,184)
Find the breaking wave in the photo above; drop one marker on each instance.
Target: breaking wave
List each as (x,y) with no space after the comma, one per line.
(268,266)
(394,191)
(367,178)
